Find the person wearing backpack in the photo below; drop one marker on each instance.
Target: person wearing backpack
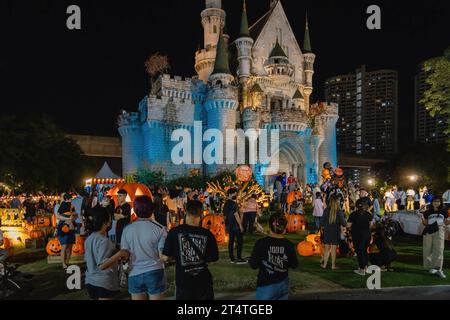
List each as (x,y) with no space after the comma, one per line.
(192,247)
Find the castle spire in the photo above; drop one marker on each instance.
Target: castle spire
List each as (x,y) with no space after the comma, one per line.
(277,51)
(307,40)
(244,22)
(221,64)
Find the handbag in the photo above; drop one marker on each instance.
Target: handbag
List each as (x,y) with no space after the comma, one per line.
(124,270)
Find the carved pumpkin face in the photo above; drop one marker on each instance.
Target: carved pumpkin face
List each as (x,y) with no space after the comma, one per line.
(295,222)
(77,249)
(43,221)
(53,247)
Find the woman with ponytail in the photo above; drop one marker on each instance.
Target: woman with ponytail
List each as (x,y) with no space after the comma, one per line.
(273,256)
(102,280)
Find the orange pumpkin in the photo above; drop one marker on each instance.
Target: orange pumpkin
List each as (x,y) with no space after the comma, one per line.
(318,249)
(293,195)
(53,247)
(65,228)
(78,247)
(216,224)
(326,175)
(306,248)
(295,222)
(36,234)
(244,173)
(133,189)
(314,238)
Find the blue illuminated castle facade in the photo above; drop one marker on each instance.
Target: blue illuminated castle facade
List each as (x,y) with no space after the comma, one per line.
(269,88)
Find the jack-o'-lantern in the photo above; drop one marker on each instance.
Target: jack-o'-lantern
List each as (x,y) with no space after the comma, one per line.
(244,173)
(306,248)
(78,247)
(219,234)
(53,247)
(29,227)
(295,222)
(36,234)
(318,249)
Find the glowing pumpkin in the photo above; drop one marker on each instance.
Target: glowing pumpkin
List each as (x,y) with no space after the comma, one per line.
(133,189)
(244,173)
(295,222)
(306,248)
(53,247)
(314,238)
(65,228)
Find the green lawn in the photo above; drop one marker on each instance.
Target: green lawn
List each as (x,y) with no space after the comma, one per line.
(229,279)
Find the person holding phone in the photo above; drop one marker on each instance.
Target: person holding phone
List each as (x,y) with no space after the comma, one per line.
(435,220)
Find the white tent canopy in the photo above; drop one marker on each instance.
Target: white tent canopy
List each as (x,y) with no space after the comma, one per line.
(106,173)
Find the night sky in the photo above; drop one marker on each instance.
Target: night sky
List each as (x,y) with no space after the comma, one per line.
(84,78)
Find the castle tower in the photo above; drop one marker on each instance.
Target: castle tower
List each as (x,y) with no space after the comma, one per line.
(244,46)
(213,21)
(309,58)
(221,101)
(132,142)
(326,126)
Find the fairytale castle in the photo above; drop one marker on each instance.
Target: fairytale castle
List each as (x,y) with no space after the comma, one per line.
(269,88)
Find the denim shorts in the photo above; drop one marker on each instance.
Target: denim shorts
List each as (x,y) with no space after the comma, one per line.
(276,291)
(152,282)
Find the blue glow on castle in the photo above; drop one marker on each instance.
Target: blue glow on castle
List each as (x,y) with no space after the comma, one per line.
(270,88)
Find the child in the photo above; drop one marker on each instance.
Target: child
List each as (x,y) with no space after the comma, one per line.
(273,256)
(296,207)
(384,254)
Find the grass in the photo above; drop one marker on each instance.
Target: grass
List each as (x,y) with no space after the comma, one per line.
(234,280)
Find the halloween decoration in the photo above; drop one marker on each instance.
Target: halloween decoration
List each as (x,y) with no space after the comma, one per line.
(306,248)
(53,247)
(244,173)
(295,223)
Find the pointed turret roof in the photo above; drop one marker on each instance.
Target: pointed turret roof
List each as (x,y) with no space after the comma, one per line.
(297,95)
(256,88)
(307,40)
(277,51)
(106,173)
(221,64)
(244,32)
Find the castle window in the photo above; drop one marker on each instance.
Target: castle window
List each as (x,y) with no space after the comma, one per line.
(214,29)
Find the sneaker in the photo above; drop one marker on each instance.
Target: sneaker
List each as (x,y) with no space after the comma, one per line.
(360,272)
(441,274)
(433,271)
(233,261)
(241,261)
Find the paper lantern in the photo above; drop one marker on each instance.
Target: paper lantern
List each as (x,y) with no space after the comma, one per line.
(244,173)
(306,248)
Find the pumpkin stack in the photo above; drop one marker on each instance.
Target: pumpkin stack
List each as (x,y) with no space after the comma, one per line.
(53,247)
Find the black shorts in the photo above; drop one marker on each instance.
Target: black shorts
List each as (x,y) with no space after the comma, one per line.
(202,292)
(96,293)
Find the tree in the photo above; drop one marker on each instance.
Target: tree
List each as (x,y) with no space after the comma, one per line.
(155,65)
(437,97)
(37,156)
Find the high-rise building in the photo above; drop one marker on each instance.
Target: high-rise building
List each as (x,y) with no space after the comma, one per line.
(428,129)
(368,107)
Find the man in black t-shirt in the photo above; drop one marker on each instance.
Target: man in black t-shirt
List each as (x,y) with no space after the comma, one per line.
(122,214)
(192,247)
(273,256)
(359,223)
(233,222)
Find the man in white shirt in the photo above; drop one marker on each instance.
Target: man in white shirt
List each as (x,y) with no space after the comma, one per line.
(410,194)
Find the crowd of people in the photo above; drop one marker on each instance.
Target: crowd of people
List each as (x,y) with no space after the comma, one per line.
(167,229)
